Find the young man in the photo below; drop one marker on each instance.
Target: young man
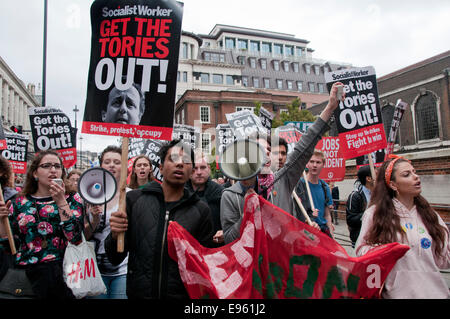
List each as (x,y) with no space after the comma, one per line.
(151,272)
(208,191)
(320,193)
(278,154)
(357,202)
(284,180)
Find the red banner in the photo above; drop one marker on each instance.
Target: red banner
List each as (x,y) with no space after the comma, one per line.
(277,256)
(334,168)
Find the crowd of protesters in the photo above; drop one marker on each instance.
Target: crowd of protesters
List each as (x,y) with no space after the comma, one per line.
(44,216)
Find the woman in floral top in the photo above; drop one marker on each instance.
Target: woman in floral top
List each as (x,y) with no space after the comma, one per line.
(43,220)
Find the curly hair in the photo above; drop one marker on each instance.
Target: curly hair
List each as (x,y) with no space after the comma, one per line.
(6,172)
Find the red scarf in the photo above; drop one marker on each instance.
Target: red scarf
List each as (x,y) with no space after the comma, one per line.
(265,181)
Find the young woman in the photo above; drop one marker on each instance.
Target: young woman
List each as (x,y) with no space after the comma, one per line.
(72,180)
(43,220)
(398,213)
(98,229)
(141,172)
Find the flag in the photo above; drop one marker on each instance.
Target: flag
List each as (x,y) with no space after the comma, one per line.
(278,256)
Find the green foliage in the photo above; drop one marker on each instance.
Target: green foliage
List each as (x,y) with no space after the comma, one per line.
(294,114)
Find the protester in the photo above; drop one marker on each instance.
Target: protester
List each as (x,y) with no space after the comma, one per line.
(357,202)
(43,220)
(278,154)
(320,193)
(141,172)
(398,213)
(9,193)
(97,229)
(152,273)
(72,180)
(278,186)
(208,191)
(335,198)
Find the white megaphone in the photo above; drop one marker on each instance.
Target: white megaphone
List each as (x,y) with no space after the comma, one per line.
(97,186)
(242,159)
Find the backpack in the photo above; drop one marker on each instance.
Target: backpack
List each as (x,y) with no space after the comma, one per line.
(302,193)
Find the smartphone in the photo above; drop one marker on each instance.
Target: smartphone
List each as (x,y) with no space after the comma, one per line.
(340,92)
(58,181)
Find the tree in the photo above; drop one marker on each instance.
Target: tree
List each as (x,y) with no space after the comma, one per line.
(294,114)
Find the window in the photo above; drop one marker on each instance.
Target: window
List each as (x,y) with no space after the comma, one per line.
(185,50)
(426,117)
(298,51)
(321,88)
(308,68)
(242,44)
(267,83)
(284,111)
(317,69)
(241,108)
(311,87)
(303,106)
(276,65)
(217,78)
(241,59)
(254,46)
(185,76)
(182,116)
(253,63)
(178,76)
(245,81)
(207,56)
(256,82)
(299,86)
(280,84)
(295,66)
(290,85)
(204,114)
(230,80)
(204,77)
(288,50)
(278,49)
(286,66)
(229,43)
(263,64)
(266,47)
(206,143)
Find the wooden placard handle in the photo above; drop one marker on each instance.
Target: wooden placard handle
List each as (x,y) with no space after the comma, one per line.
(122,190)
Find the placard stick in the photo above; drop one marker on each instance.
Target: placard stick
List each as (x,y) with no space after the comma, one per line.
(122,190)
(7,226)
(299,203)
(372,167)
(309,191)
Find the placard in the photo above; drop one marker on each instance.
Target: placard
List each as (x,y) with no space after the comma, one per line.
(358,117)
(16,151)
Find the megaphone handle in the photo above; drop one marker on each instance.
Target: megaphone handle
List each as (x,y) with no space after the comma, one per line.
(299,202)
(7,226)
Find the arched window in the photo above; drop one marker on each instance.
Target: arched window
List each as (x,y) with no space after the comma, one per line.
(426,116)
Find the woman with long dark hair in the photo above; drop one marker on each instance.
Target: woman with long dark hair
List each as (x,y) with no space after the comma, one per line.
(399,213)
(141,172)
(43,220)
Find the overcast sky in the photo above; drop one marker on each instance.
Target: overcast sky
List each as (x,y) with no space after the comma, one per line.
(385,34)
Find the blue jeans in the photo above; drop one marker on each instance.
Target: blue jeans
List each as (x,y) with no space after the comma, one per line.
(116,287)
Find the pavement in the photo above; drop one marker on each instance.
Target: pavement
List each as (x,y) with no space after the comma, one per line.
(342,236)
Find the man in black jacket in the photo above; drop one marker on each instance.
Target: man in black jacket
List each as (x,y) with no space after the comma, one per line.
(151,272)
(357,202)
(208,191)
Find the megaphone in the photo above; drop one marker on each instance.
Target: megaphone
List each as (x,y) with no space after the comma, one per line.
(242,159)
(97,186)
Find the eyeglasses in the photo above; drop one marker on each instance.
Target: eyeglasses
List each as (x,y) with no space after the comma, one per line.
(57,166)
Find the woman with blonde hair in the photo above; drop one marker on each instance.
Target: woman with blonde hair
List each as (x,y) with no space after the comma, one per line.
(399,213)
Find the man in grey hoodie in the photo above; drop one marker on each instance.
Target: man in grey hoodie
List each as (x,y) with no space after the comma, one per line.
(286,178)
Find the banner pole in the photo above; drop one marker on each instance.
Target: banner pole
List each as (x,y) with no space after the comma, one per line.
(372,167)
(7,226)
(299,203)
(309,191)
(122,190)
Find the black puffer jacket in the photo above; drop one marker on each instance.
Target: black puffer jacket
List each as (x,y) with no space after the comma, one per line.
(151,272)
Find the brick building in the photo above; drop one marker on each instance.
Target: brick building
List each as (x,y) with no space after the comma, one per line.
(424,135)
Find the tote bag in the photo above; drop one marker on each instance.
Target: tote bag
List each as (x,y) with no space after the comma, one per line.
(81,272)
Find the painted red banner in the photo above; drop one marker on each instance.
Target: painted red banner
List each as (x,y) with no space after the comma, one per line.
(277,256)
(334,169)
(357,142)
